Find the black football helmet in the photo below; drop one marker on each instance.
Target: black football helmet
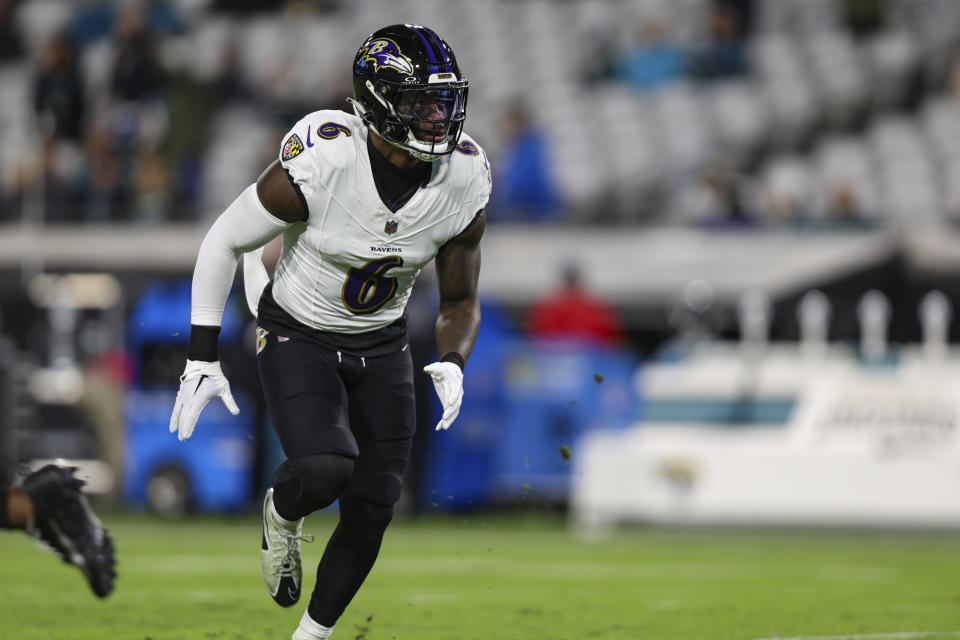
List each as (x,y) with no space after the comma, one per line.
(408,88)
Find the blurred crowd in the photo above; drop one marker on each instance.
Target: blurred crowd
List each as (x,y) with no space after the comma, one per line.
(120,112)
(798,114)
(806,114)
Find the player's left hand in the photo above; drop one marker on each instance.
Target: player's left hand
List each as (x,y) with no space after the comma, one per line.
(448,381)
(200,383)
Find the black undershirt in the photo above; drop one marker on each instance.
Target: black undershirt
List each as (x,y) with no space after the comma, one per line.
(395,185)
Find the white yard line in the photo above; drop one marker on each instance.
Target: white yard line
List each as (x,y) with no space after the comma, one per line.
(897,635)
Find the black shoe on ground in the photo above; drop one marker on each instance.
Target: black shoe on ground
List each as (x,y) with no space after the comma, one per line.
(64,521)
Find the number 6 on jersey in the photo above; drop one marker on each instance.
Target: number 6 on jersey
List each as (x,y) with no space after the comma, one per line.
(366,289)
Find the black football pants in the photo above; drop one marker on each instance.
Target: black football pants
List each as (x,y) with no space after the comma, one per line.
(330,408)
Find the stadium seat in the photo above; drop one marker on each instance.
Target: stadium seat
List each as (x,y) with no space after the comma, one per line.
(893,60)
(39,20)
(740,119)
(839,77)
(786,190)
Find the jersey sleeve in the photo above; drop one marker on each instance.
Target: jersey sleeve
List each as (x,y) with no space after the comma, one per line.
(477,190)
(486,183)
(299,159)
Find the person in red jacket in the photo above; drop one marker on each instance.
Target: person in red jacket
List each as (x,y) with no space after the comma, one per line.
(573,312)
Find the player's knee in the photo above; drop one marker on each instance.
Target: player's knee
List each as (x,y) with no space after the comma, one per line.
(306,484)
(381,488)
(325,477)
(368,505)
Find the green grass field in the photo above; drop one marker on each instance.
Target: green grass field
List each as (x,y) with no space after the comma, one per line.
(490,578)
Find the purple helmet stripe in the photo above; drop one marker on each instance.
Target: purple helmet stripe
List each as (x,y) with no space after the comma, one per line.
(433,58)
(436,39)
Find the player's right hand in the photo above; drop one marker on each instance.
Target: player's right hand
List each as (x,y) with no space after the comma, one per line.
(200,383)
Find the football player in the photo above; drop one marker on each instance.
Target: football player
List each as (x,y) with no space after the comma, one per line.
(363,201)
(49,505)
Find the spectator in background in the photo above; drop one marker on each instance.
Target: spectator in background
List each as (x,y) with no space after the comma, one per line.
(151,196)
(11,44)
(599,56)
(863,17)
(138,120)
(104,183)
(58,96)
(723,54)
(193,96)
(232,85)
(244,6)
(745,10)
(136,72)
(91,20)
(95,19)
(844,210)
(653,61)
(59,103)
(107,371)
(163,18)
(527,192)
(717,201)
(573,312)
(787,192)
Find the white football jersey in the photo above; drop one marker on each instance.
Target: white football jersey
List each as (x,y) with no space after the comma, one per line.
(351,266)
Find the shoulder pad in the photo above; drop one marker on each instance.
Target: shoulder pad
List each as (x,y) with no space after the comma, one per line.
(470,172)
(471,161)
(326,134)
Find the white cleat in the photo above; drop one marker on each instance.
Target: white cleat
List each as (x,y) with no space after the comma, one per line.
(280,554)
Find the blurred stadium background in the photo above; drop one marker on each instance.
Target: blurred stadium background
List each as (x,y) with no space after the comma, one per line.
(719,271)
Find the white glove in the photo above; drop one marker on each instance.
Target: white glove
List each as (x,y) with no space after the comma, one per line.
(200,383)
(448,381)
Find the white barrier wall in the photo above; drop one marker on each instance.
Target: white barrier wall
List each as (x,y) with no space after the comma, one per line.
(863,447)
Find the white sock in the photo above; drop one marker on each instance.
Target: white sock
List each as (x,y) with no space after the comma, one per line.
(313,629)
(283,522)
